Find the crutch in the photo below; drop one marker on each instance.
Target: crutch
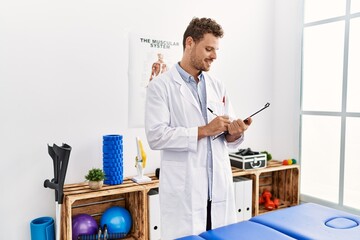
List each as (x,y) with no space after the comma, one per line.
(60,157)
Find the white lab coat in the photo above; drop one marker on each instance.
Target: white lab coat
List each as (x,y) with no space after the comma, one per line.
(172,119)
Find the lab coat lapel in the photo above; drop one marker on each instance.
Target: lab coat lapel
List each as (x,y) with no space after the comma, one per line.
(184,89)
(211,94)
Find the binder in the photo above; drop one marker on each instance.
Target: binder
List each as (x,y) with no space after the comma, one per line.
(243,198)
(154,214)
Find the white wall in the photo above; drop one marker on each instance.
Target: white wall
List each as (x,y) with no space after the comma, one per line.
(63,78)
(288,22)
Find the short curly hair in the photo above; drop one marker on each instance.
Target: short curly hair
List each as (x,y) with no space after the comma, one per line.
(200,26)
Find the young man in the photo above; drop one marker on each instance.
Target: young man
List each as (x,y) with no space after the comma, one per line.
(185,109)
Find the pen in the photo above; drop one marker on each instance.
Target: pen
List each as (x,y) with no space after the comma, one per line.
(212,112)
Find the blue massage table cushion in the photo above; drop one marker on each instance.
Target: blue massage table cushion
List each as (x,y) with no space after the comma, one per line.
(312,221)
(244,231)
(192,237)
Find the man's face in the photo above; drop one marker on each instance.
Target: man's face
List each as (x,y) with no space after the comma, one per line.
(203,53)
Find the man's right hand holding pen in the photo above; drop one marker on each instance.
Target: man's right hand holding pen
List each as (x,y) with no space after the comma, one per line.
(235,129)
(232,130)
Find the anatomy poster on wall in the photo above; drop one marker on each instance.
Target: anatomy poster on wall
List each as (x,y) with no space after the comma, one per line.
(148,57)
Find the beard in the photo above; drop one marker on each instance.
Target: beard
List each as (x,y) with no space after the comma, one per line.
(200,64)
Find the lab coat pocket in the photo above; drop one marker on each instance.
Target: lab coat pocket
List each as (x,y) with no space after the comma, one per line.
(220,185)
(173,176)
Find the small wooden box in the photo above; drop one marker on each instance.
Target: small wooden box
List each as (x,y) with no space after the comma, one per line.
(283,184)
(79,198)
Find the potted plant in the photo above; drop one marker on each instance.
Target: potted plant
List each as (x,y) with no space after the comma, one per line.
(96,178)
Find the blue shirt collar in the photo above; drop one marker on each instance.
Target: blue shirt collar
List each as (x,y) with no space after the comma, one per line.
(185,75)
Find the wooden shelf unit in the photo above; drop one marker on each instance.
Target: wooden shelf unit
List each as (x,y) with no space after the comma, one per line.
(79,198)
(282,181)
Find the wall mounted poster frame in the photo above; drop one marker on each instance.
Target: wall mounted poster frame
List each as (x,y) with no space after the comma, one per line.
(148,57)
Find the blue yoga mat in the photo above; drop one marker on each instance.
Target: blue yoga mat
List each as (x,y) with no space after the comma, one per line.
(42,229)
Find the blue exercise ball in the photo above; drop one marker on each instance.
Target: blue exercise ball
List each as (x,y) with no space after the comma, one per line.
(117,220)
(83,224)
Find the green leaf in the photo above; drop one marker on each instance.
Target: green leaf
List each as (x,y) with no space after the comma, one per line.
(95,174)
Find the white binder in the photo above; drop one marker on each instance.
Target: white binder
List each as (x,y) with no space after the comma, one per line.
(154,214)
(243,198)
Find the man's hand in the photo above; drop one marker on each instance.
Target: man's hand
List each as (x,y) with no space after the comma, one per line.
(237,128)
(216,126)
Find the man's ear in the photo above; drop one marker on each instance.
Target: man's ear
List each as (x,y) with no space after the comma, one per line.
(189,41)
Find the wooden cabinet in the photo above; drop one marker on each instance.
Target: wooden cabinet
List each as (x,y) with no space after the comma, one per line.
(79,198)
(282,181)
